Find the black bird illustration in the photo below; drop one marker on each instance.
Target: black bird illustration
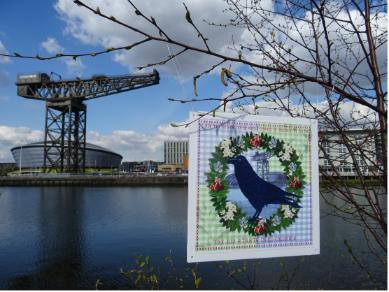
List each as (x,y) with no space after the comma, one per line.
(258,191)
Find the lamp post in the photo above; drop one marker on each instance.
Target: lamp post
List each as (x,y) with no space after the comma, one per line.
(20,159)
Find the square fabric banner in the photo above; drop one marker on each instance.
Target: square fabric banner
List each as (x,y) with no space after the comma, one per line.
(253,187)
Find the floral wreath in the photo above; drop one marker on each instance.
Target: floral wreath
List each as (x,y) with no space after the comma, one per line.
(231,215)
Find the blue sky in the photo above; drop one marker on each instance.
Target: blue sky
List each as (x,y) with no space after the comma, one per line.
(136,123)
(25,25)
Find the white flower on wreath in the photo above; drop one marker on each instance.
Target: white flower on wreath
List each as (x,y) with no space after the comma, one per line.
(230,212)
(287,152)
(225,146)
(226,143)
(227,153)
(231,207)
(288,211)
(228,216)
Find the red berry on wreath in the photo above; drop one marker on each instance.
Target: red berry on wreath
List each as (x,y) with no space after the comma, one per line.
(255,142)
(296,183)
(260,227)
(217,185)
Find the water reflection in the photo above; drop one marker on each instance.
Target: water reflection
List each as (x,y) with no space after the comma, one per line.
(61,230)
(66,238)
(59,262)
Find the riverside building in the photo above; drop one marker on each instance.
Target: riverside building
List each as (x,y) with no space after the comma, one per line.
(175,156)
(175,152)
(364,156)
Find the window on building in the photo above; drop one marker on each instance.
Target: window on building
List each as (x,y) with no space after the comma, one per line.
(345,167)
(359,159)
(361,163)
(342,148)
(326,146)
(326,165)
(358,141)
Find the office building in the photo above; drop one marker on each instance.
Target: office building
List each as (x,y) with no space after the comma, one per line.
(175,152)
(363,154)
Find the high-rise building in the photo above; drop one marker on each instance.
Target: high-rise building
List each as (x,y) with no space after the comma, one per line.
(175,151)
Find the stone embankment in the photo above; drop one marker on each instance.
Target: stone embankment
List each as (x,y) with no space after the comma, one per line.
(93,180)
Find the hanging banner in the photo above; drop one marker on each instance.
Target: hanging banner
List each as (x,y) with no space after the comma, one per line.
(253,187)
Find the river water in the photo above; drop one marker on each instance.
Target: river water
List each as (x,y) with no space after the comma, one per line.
(68,237)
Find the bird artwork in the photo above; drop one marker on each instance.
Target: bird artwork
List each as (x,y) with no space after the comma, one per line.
(258,191)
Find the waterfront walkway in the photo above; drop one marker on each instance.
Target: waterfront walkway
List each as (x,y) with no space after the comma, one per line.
(93,180)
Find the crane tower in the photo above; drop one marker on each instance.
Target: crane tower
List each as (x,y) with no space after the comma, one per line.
(65,122)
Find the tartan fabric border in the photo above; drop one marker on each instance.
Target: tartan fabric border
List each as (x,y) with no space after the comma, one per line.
(210,234)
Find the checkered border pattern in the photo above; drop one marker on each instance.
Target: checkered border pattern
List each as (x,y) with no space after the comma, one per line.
(210,233)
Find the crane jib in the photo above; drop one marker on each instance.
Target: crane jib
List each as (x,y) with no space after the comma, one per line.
(39,86)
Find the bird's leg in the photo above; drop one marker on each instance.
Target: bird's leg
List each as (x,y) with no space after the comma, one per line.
(255,217)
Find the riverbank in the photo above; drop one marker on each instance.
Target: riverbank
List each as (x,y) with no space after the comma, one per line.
(89,180)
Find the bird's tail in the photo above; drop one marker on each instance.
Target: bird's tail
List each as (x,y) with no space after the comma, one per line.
(290,202)
(294,204)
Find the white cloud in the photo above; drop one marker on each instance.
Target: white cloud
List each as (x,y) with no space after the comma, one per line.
(52,46)
(4,51)
(137,146)
(130,144)
(74,67)
(165,132)
(350,114)
(170,14)
(91,29)
(346,51)
(13,136)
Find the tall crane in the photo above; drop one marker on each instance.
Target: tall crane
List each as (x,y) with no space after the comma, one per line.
(65,122)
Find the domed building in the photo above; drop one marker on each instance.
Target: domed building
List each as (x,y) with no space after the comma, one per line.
(30,156)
